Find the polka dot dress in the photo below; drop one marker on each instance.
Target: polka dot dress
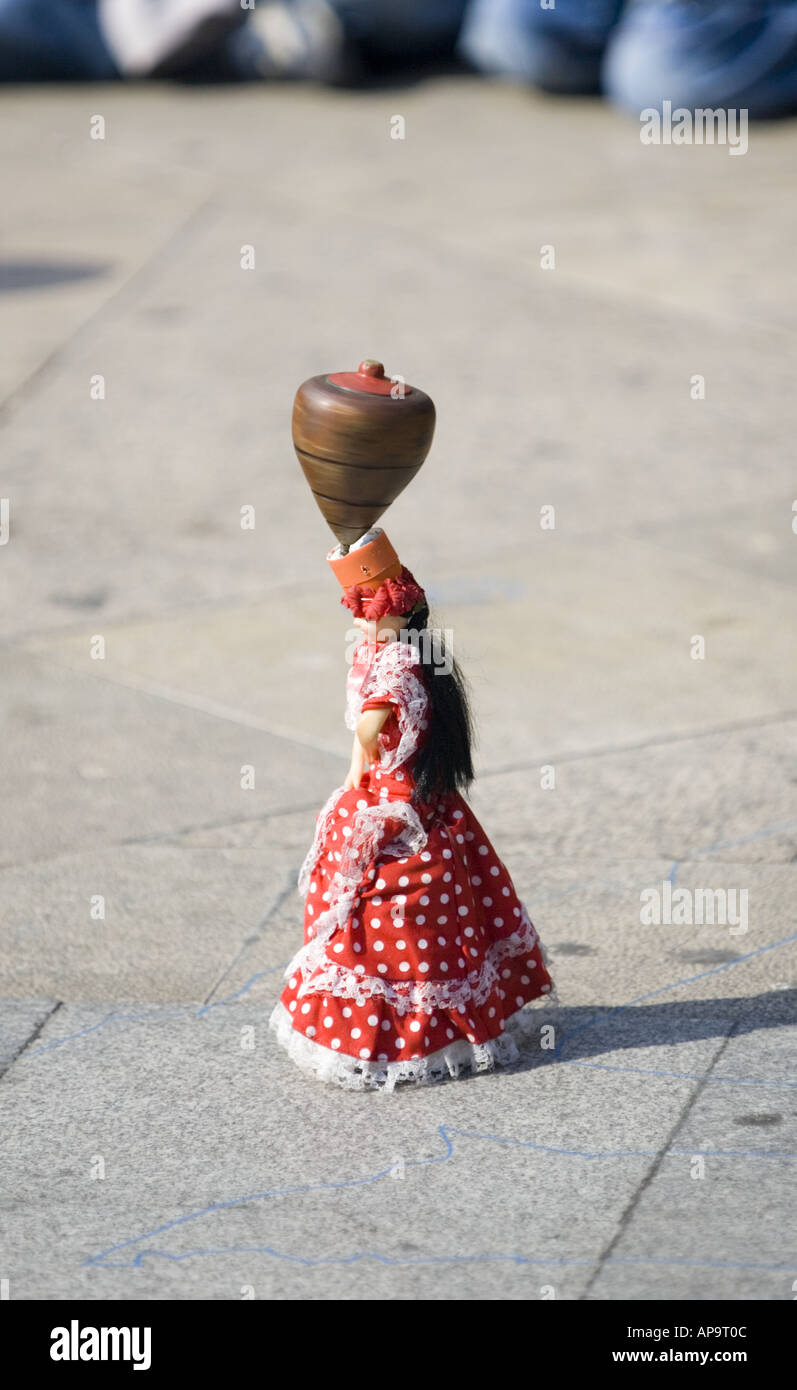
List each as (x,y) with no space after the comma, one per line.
(418,956)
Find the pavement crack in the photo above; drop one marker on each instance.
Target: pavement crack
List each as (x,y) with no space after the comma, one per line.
(652,1172)
(282,896)
(5,1067)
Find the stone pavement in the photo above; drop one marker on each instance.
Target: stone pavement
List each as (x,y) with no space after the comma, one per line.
(156,1142)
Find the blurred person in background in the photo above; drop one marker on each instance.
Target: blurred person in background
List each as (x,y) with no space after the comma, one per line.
(715,53)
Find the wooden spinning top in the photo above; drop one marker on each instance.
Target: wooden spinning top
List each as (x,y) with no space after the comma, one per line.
(360,437)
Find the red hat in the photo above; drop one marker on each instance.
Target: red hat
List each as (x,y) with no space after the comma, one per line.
(374,581)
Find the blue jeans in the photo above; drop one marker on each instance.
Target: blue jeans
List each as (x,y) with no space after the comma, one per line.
(43,40)
(712,53)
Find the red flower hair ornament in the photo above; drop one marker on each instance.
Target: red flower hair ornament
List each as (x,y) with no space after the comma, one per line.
(393,597)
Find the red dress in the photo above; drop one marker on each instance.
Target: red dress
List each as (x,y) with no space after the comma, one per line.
(419,959)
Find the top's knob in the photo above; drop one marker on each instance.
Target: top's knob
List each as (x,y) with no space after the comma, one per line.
(370,368)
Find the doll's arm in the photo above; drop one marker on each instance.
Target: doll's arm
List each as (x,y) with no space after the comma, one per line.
(372,722)
(357,767)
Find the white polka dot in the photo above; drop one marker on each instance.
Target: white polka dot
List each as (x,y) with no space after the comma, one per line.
(488,902)
(347,831)
(425,856)
(469,931)
(293,1005)
(401,945)
(433,1022)
(420,919)
(404,965)
(361,805)
(441,941)
(401,898)
(364,1052)
(483,849)
(498,921)
(346,1012)
(424,901)
(292,982)
(505,974)
(423,967)
(342,811)
(441,921)
(447,853)
(328,1022)
(338,947)
(476,880)
(385,1024)
(524,980)
(382,1056)
(377,902)
(473,951)
(379,945)
(373,1020)
(463,911)
(313,888)
(449,1032)
(443,966)
(495,870)
(460,839)
(447,878)
(335,1042)
(305,1008)
(403,881)
(382,968)
(399,1042)
(375,922)
(399,776)
(356,1032)
(505,892)
(310,1031)
(461,960)
(415,1026)
(491,1013)
(519,999)
(380,884)
(426,878)
(356,947)
(422,944)
(532,964)
(310,909)
(359,969)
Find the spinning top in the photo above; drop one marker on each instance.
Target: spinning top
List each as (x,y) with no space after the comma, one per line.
(360,438)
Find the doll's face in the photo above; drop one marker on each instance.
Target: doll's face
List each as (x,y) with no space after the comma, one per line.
(381,629)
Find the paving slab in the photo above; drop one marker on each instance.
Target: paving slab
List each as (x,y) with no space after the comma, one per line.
(248,1196)
(744,1122)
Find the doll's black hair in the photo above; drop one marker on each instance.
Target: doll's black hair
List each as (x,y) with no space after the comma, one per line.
(443,764)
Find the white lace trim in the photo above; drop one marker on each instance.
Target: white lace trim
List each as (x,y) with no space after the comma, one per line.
(391,678)
(371,835)
(427,995)
(457,1058)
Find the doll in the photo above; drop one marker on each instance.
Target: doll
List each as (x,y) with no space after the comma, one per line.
(419,959)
